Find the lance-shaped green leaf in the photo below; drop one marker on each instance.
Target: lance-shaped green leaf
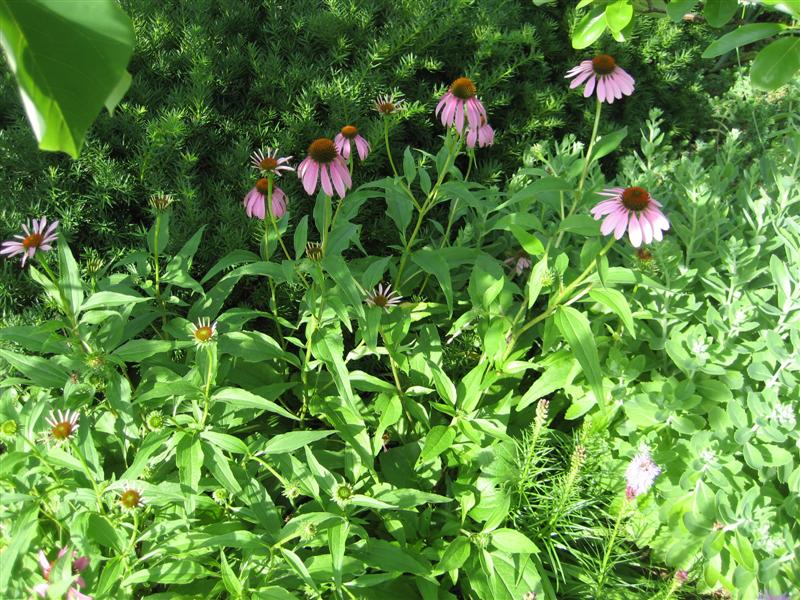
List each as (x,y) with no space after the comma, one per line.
(776,64)
(69,60)
(741,36)
(574,326)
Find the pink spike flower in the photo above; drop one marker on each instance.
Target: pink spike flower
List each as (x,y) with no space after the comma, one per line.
(255,201)
(325,165)
(460,98)
(482,136)
(79,564)
(633,209)
(268,162)
(640,475)
(344,140)
(602,73)
(37,236)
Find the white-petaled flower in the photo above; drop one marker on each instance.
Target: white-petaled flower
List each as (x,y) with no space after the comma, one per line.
(204,331)
(389,104)
(63,424)
(267,161)
(342,493)
(131,497)
(640,475)
(383,297)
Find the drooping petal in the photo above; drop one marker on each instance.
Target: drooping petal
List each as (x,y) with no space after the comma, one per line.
(460,116)
(635,231)
(622,224)
(337,180)
(344,173)
(587,91)
(310,177)
(362,146)
(610,222)
(647,229)
(580,79)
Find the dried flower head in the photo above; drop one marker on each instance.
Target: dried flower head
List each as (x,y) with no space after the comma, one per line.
(268,162)
(389,104)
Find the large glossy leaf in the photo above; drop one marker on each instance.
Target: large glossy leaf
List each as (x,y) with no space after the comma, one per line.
(776,64)
(69,59)
(719,12)
(746,34)
(589,29)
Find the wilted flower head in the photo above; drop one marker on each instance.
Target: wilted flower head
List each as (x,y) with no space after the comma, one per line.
(79,564)
(267,161)
(640,475)
(461,97)
(520,262)
(37,235)
(483,135)
(383,297)
(632,209)
(388,104)
(603,74)
(255,202)
(326,165)
(159,202)
(346,137)
(204,331)
(63,424)
(131,497)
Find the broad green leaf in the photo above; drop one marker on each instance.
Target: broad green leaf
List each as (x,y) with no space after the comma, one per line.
(219,466)
(337,542)
(608,143)
(190,459)
(677,8)
(69,276)
(391,558)
(175,571)
(44,373)
(456,554)
(530,243)
(291,441)
(512,542)
(138,350)
(438,440)
(616,301)
(741,36)
(589,29)
(69,60)
(618,14)
(226,442)
(100,530)
(535,280)
(111,300)
(22,533)
(178,271)
(337,269)
(239,398)
(254,346)
(574,326)
(545,184)
(409,166)
(719,12)
(431,262)
(776,64)
(399,208)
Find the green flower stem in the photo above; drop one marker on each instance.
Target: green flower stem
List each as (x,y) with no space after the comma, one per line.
(269,468)
(557,300)
(42,459)
(273,220)
(206,393)
(66,308)
(610,547)
(587,162)
(134,534)
(388,148)
(430,201)
(310,329)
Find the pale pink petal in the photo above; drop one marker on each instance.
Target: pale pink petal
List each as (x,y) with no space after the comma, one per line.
(337,181)
(41,589)
(278,203)
(441,104)
(580,79)
(362,146)
(310,177)
(587,91)
(472,135)
(622,224)
(460,116)
(610,222)
(647,229)
(325,179)
(344,173)
(473,114)
(635,231)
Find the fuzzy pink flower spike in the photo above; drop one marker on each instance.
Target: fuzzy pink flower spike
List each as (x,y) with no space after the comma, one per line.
(640,475)
(325,165)
(255,202)
(37,236)
(604,75)
(344,140)
(632,209)
(461,97)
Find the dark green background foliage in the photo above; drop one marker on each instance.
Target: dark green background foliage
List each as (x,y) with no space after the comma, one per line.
(213,80)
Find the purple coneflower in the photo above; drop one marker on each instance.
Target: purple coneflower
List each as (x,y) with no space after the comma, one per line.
(388,104)
(203,331)
(602,73)
(520,262)
(640,475)
(383,297)
(255,202)
(482,135)
(326,165)
(63,424)
(346,137)
(38,236)
(268,162)
(460,97)
(79,564)
(633,209)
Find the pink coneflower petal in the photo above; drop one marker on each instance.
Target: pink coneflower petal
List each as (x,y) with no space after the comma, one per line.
(634,210)
(604,76)
(278,202)
(362,146)
(322,162)
(37,236)
(337,181)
